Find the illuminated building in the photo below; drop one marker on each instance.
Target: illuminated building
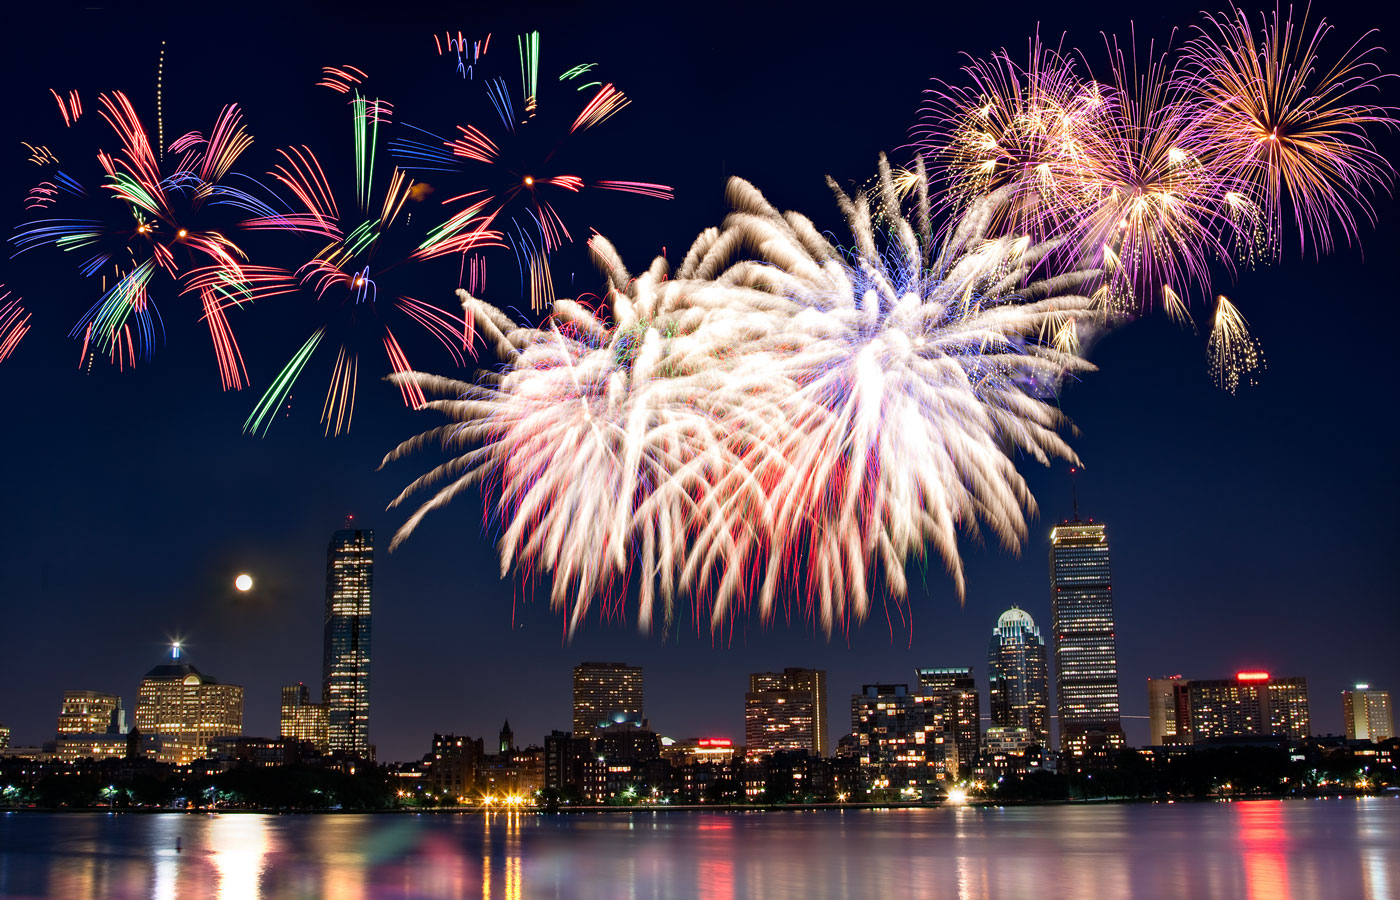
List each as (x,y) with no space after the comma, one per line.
(606,693)
(786,711)
(1086,657)
(1018,681)
(91,712)
(1252,704)
(345,656)
(4,738)
(185,710)
(1161,709)
(903,742)
(698,751)
(91,725)
(506,745)
(956,690)
(454,765)
(1367,714)
(303,720)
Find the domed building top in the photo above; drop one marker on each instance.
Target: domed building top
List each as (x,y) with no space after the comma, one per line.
(1013,617)
(181,672)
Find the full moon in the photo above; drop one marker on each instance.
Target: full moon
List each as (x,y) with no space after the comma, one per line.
(243,582)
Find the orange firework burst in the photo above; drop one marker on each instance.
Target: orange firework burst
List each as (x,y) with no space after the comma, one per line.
(1290,129)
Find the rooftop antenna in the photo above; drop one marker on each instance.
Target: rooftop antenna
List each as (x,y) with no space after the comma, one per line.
(349,522)
(1074,489)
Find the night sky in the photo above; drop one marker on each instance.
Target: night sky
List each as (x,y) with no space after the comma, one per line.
(1256,530)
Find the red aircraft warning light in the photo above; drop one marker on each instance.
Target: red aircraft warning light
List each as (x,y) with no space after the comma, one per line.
(1252,676)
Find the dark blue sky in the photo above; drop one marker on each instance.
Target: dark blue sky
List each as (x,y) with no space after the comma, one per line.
(1256,530)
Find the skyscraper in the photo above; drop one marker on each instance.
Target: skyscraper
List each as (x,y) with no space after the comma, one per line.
(786,711)
(1017,678)
(186,709)
(303,720)
(606,693)
(346,649)
(1086,656)
(956,690)
(1161,709)
(1367,714)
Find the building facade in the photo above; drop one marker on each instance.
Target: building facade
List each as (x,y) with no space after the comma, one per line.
(345,658)
(1367,714)
(303,720)
(1018,680)
(786,711)
(184,709)
(956,690)
(1086,654)
(91,712)
(1252,704)
(1161,710)
(903,742)
(606,693)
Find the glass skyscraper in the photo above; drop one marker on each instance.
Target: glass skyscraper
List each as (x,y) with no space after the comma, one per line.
(346,649)
(1017,677)
(1086,656)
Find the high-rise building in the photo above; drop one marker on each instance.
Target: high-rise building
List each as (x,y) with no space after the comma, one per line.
(1161,709)
(1252,704)
(1086,656)
(956,690)
(346,649)
(606,693)
(91,712)
(1367,714)
(1017,677)
(303,720)
(184,709)
(4,737)
(903,742)
(786,711)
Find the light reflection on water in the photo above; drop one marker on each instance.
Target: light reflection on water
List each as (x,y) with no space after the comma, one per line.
(1297,850)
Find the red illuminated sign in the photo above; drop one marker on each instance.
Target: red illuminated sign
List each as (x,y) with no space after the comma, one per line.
(715,742)
(1252,676)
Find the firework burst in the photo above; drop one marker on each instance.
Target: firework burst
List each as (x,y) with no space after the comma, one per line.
(1288,127)
(782,416)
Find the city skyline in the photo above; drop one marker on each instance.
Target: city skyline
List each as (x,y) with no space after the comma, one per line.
(131,528)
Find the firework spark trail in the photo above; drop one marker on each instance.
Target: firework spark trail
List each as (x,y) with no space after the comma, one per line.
(14,323)
(780,414)
(1235,356)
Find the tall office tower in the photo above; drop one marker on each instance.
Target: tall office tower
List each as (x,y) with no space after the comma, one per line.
(1161,709)
(91,712)
(1252,704)
(303,720)
(1086,657)
(786,711)
(4,737)
(606,693)
(1367,714)
(904,743)
(1017,676)
(346,649)
(184,709)
(962,708)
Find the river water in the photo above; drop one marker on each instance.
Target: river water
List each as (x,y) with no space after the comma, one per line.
(1295,850)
